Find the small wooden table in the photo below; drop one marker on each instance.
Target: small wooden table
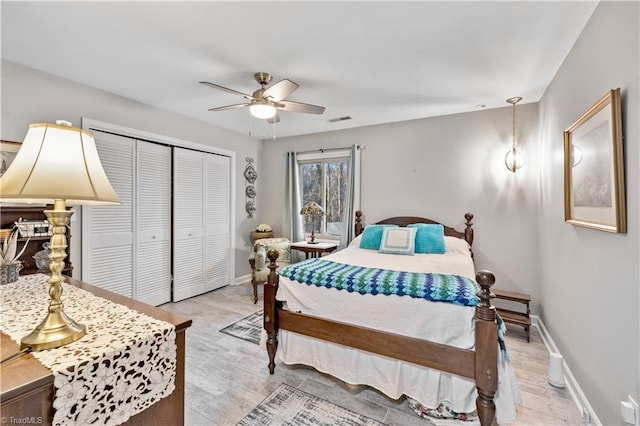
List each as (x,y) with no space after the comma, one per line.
(515,317)
(313,250)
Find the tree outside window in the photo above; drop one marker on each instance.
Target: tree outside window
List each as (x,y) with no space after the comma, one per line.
(325,182)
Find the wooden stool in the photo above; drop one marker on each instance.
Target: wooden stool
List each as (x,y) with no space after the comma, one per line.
(515,317)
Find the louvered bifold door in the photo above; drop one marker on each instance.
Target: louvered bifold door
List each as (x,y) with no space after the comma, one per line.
(188,223)
(217,194)
(108,231)
(153,224)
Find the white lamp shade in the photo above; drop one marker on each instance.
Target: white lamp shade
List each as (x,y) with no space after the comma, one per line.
(262,110)
(57,162)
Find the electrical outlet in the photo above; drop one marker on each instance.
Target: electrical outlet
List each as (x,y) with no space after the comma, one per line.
(636,410)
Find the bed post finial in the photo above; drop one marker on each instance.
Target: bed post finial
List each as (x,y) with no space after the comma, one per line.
(358,225)
(486,370)
(270,317)
(468,231)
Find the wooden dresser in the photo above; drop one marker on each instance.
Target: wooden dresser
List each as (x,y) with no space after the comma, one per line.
(26,386)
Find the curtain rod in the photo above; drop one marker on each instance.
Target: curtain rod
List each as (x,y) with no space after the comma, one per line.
(329,149)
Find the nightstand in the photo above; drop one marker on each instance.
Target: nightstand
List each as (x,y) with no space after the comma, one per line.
(313,250)
(515,317)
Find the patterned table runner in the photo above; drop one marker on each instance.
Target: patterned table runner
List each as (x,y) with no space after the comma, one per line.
(125,363)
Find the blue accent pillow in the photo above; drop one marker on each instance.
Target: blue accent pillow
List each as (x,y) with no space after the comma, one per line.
(398,241)
(429,238)
(372,235)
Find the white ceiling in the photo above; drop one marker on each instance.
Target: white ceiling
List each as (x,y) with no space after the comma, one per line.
(376,62)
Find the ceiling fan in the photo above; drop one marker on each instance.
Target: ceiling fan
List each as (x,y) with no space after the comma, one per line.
(265,102)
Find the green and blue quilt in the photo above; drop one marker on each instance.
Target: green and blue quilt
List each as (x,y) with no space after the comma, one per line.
(454,289)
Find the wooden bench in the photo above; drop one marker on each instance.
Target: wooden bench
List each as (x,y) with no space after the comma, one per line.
(515,317)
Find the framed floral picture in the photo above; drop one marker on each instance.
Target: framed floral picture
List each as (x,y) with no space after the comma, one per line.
(8,151)
(594,194)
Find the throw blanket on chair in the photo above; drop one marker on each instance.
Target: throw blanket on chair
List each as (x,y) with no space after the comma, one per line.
(435,287)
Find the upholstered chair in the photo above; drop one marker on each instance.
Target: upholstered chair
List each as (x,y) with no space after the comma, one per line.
(260,264)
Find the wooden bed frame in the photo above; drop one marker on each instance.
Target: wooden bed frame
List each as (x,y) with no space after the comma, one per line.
(479,365)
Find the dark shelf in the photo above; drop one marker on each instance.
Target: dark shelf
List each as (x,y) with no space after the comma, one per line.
(8,215)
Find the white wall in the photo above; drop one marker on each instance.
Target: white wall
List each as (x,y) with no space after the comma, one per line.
(30,96)
(589,279)
(442,168)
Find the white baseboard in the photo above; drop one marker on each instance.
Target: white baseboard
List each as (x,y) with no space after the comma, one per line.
(572,384)
(242,280)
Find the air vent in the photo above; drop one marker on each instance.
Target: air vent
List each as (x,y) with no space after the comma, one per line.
(335,120)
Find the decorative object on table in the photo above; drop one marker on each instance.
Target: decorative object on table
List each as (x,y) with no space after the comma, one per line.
(56,164)
(594,186)
(10,266)
(262,231)
(312,211)
(250,177)
(42,258)
(8,151)
(514,159)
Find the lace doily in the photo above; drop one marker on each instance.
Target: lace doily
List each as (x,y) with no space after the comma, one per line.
(125,363)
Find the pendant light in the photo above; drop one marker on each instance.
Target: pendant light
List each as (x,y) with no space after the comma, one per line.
(514,159)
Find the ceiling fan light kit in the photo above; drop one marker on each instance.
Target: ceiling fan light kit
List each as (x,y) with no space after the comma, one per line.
(262,109)
(265,102)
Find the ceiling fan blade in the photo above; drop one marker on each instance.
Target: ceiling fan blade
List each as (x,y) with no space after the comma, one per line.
(226,107)
(280,90)
(292,106)
(226,89)
(274,119)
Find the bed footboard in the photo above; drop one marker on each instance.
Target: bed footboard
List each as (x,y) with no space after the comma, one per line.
(480,365)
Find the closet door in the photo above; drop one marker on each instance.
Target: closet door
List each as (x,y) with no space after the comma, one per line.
(217,204)
(153,224)
(127,248)
(188,223)
(108,231)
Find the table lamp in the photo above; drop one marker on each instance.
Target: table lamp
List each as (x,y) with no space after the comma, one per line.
(312,210)
(56,164)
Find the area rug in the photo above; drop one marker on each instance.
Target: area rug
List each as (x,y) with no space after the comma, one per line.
(248,328)
(290,406)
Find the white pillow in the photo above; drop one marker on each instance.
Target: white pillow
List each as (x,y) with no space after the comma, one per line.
(398,241)
(456,245)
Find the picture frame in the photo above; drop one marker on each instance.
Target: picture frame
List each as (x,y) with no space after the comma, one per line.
(594,193)
(8,151)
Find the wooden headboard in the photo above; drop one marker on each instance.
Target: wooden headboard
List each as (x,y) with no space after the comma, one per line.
(467,234)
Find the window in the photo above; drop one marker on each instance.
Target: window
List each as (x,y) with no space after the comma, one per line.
(324,179)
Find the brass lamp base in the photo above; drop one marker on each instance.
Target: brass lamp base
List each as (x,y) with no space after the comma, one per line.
(56,330)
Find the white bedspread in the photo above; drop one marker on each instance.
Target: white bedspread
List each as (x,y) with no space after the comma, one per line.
(435,321)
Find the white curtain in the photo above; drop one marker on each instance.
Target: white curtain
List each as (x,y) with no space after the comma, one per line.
(292,225)
(352,199)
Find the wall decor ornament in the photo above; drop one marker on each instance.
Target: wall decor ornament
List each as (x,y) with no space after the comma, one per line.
(594,194)
(250,177)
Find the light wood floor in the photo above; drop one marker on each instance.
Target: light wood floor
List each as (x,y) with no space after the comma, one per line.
(227,377)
